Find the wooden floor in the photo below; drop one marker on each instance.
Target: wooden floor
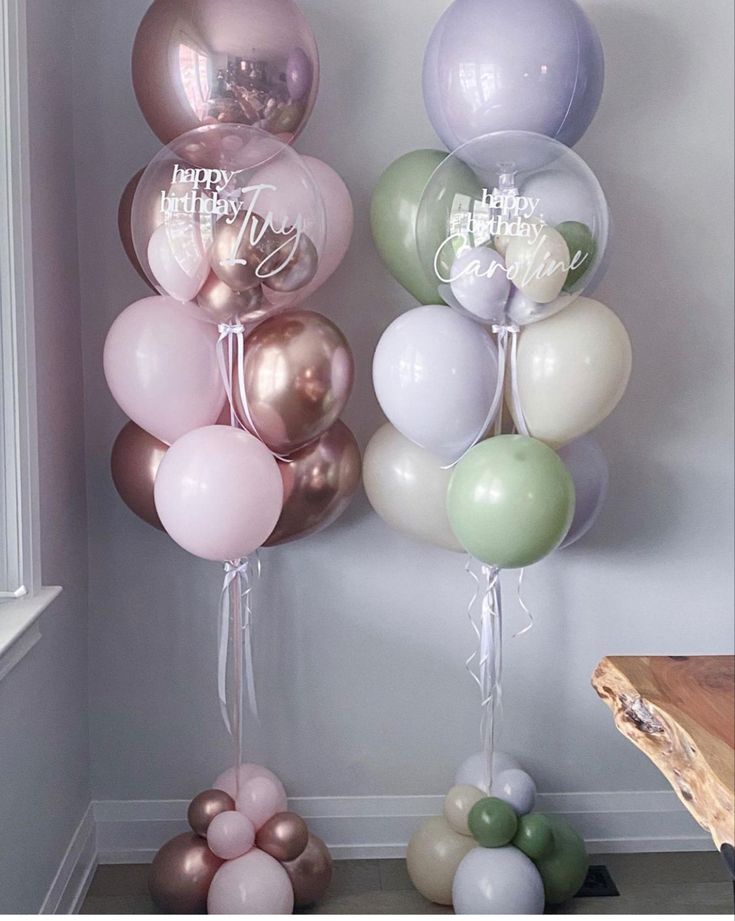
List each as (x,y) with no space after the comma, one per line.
(648,884)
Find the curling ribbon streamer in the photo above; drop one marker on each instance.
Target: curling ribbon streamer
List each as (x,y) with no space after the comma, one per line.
(236,622)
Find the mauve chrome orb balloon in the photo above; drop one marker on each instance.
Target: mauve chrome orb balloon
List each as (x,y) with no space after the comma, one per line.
(136,457)
(205,806)
(181,874)
(284,836)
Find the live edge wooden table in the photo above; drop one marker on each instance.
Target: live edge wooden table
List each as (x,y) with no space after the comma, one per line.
(680,711)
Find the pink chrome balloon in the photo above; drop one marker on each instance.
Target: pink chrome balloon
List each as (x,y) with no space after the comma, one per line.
(136,457)
(255,884)
(124,225)
(250,62)
(161,367)
(310,873)
(205,806)
(219,493)
(260,799)
(284,836)
(181,874)
(230,835)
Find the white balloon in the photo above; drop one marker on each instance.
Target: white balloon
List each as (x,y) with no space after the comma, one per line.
(407,487)
(573,370)
(435,375)
(472,770)
(539,267)
(516,788)
(497,881)
(177,258)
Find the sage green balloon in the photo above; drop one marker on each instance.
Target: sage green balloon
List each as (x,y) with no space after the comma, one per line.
(579,239)
(492,822)
(510,501)
(393,213)
(565,869)
(535,836)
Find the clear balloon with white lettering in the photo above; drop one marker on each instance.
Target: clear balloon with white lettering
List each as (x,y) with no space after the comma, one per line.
(522,241)
(225,215)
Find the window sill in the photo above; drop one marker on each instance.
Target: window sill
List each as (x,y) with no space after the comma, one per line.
(19,630)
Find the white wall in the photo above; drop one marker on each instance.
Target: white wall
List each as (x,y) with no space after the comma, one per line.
(44,741)
(362,635)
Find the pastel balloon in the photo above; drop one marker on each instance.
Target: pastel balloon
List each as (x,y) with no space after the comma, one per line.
(523,310)
(254,884)
(298,377)
(492,822)
(458,804)
(539,268)
(480,283)
(181,874)
(573,370)
(230,835)
(499,65)
(497,881)
(284,836)
(472,770)
(516,788)
(205,806)
(393,213)
(510,501)
(310,873)
(178,259)
(434,853)
(161,367)
(564,870)
(124,225)
(535,836)
(407,486)
(219,493)
(136,457)
(233,779)
(260,60)
(319,482)
(260,798)
(590,472)
(435,374)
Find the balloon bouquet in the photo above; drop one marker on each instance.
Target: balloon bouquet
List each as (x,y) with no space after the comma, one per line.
(233,389)
(492,386)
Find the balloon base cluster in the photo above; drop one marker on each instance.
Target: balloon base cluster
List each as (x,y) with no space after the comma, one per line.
(490,853)
(245,853)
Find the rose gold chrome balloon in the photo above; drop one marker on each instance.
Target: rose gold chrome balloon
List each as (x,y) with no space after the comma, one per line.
(223,305)
(284,836)
(318,483)
(298,376)
(251,62)
(295,271)
(311,873)
(124,215)
(181,874)
(205,806)
(136,456)
(239,248)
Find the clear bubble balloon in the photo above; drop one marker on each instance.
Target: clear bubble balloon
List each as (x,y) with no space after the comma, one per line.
(224,215)
(512,227)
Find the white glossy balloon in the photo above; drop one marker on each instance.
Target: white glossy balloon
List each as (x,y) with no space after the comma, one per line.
(573,370)
(539,268)
(435,375)
(497,881)
(515,787)
(472,770)
(178,260)
(407,487)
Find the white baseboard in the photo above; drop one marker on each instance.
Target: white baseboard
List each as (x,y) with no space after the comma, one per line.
(131,831)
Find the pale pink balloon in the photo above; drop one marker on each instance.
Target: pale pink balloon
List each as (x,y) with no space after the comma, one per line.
(219,493)
(260,798)
(340,217)
(255,884)
(161,367)
(230,835)
(228,780)
(178,260)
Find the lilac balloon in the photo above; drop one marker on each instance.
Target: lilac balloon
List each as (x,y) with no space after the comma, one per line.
(161,367)
(255,884)
(530,65)
(299,74)
(219,493)
(480,284)
(230,835)
(591,474)
(516,788)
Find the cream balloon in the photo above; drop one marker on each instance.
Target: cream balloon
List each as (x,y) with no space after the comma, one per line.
(407,487)
(538,267)
(457,806)
(434,853)
(573,370)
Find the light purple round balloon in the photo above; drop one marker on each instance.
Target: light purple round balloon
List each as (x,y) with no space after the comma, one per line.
(591,474)
(299,74)
(480,284)
(530,65)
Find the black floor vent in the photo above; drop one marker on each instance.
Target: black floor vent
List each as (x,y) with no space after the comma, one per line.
(598,885)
